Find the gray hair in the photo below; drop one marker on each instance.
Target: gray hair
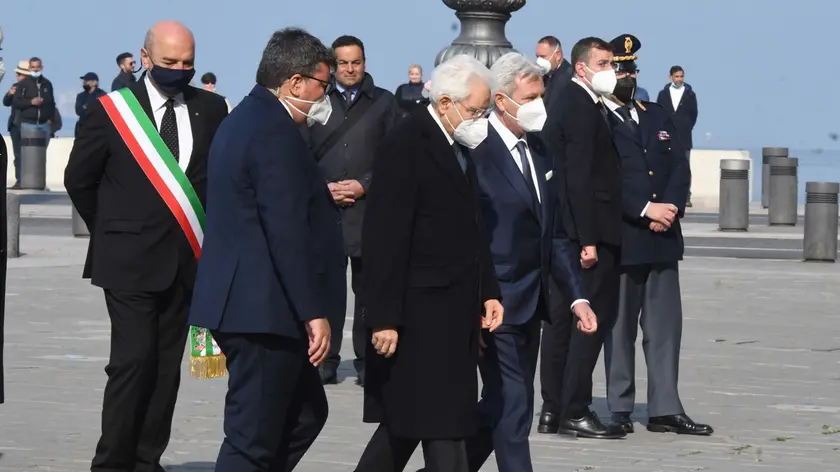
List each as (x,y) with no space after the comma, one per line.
(509,69)
(454,78)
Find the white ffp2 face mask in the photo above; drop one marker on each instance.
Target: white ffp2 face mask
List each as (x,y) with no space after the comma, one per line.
(319,112)
(545,64)
(470,133)
(531,116)
(603,82)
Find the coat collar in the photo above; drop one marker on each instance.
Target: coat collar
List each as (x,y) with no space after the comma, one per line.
(441,149)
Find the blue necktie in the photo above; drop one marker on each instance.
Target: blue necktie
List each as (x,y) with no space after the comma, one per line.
(462,161)
(526,170)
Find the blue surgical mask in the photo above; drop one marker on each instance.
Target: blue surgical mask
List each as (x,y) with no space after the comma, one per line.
(171,81)
(35,74)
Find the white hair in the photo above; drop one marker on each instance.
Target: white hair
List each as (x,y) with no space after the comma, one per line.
(455,77)
(511,68)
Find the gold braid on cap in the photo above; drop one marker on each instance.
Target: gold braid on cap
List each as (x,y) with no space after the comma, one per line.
(624,58)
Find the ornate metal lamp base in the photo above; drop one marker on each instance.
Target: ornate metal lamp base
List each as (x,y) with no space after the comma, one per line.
(482,29)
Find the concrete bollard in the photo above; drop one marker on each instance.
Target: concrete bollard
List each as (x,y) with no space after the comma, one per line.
(13,225)
(734,213)
(766,154)
(820,242)
(80,229)
(783,189)
(33,159)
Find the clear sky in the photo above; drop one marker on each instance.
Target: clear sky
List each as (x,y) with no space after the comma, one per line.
(763,70)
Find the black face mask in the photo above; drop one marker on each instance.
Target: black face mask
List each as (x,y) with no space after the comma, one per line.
(625,89)
(171,81)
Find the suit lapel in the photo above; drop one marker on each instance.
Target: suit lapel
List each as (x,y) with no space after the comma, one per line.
(645,126)
(540,165)
(142,95)
(623,128)
(443,154)
(194,111)
(503,160)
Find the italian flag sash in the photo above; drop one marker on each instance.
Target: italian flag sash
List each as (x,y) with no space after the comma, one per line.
(143,140)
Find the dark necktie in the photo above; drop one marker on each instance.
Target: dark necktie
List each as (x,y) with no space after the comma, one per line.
(462,161)
(624,113)
(348,96)
(526,170)
(169,128)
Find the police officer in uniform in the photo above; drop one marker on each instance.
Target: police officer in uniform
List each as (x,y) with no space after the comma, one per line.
(655,183)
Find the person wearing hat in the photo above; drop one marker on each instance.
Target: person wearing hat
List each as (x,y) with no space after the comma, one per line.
(21,72)
(655,182)
(91,92)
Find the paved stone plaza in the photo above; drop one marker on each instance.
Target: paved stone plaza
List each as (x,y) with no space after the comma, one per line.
(761,363)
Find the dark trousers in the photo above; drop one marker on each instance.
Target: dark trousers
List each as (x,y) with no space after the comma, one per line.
(570,390)
(360,338)
(275,406)
(387,453)
(148,335)
(508,366)
(14,133)
(650,295)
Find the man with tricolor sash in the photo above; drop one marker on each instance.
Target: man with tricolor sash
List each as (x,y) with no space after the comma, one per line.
(137,176)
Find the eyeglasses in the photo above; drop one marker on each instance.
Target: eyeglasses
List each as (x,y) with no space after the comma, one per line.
(474,112)
(326,84)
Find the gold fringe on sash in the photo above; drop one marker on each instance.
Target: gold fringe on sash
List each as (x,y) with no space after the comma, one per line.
(208,367)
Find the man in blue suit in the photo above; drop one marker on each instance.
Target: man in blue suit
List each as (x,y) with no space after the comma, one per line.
(518,205)
(655,181)
(272,268)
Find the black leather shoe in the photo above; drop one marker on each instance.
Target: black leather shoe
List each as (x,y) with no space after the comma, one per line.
(549,423)
(360,380)
(624,422)
(328,374)
(680,424)
(589,426)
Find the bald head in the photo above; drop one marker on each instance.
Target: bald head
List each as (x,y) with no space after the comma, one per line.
(169,47)
(169,44)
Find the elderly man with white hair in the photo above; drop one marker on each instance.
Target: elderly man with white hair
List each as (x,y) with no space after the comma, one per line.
(429,277)
(518,206)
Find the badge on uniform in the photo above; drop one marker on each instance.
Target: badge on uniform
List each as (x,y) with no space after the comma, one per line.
(664,136)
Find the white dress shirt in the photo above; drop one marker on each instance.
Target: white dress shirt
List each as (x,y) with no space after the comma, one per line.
(634,114)
(511,141)
(182,119)
(595,98)
(442,129)
(676,95)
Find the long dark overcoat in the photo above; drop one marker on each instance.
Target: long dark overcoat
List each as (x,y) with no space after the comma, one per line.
(428,271)
(3,235)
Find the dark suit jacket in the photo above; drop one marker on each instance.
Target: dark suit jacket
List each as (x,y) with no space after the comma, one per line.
(428,269)
(136,242)
(525,249)
(685,116)
(352,156)
(556,82)
(654,169)
(272,255)
(578,133)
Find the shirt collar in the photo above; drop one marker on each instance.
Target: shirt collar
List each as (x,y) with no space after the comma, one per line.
(157,99)
(507,135)
(595,98)
(442,129)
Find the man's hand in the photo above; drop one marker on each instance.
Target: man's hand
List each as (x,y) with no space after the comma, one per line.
(657,227)
(13,90)
(319,340)
(37,101)
(355,187)
(587,321)
(341,194)
(662,213)
(385,341)
(588,256)
(494,314)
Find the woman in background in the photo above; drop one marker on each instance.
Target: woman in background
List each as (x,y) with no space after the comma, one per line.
(410,96)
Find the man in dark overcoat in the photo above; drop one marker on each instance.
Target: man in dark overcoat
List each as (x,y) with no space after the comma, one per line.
(655,181)
(429,278)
